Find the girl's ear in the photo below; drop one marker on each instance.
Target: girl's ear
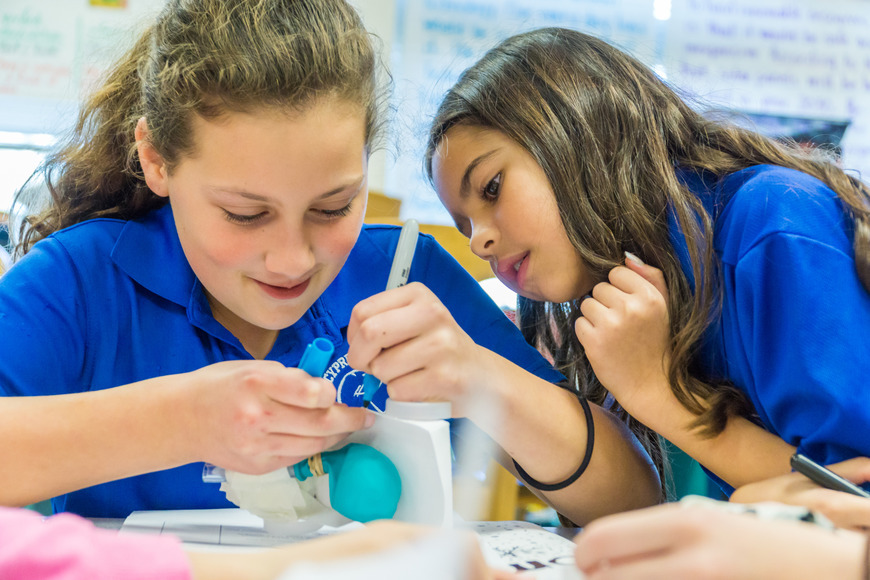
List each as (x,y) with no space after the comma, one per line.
(153,165)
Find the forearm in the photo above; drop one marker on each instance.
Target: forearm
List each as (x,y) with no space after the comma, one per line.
(743,453)
(543,428)
(620,475)
(57,444)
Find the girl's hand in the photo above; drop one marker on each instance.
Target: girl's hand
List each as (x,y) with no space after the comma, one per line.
(625,332)
(677,542)
(843,509)
(386,535)
(409,340)
(258,416)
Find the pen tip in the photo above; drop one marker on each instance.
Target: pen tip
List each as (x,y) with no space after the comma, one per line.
(366,404)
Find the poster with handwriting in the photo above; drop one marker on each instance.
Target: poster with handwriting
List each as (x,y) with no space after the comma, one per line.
(799,60)
(51,53)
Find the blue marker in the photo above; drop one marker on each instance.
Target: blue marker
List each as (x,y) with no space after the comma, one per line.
(316,357)
(371,384)
(399,272)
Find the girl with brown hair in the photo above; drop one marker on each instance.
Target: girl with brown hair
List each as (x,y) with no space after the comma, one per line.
(697,277)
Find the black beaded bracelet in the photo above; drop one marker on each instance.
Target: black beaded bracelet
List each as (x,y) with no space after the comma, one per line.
(590,444)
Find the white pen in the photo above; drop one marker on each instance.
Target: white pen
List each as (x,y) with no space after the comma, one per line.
(401,267)
(399,272)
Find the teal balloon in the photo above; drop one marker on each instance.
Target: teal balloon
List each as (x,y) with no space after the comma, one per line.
(364,485)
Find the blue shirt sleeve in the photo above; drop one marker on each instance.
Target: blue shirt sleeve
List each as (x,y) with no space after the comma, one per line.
(42,324)
(474,310)
(802,342)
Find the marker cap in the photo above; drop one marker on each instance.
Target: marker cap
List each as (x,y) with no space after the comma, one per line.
(316,357)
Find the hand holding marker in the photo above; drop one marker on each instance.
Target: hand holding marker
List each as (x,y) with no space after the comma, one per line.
(314,361)
(399,272)
(364,485)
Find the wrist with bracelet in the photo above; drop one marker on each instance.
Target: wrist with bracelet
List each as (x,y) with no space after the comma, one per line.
(590,444)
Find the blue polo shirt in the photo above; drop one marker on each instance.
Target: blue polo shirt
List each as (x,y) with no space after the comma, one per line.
(794,330)
(107,302)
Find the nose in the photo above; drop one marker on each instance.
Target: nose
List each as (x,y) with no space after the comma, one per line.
(483,239)
(289,252)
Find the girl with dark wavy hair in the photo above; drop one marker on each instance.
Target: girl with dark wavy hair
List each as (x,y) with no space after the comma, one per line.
(696,277)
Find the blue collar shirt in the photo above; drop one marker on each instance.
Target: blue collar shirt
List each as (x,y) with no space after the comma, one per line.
(106,303)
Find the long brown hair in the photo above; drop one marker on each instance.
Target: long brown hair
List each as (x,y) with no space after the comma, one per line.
(608,134)
(203,57)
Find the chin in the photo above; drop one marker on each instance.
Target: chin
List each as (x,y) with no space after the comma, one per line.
(549,295)
(561,297)
(535,297)
(279,320)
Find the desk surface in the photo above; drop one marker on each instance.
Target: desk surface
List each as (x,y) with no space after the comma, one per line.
(541,552)
(116,523)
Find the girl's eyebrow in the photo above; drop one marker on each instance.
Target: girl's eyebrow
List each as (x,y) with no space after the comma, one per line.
(241,193)
(465,184)
(355,185)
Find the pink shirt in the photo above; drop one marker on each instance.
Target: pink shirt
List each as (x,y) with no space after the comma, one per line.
(67,547)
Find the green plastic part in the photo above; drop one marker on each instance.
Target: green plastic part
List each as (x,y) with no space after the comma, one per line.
(364,485)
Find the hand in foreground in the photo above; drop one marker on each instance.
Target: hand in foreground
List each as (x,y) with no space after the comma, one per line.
(675,542)
(843,509)
(258,416)
(409,340)
(378,537)
(625,332)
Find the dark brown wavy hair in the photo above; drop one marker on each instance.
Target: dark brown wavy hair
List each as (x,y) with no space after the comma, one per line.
(207,58)
(608,134)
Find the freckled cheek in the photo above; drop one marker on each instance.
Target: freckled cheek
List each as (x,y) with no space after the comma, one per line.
(339,244)
(334,242)
(227,252)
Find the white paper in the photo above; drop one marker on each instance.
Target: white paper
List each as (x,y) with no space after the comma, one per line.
(528,548)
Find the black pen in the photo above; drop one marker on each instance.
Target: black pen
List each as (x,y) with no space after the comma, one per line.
(824,476)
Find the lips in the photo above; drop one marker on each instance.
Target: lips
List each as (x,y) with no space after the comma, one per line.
(284,292)
(512,270)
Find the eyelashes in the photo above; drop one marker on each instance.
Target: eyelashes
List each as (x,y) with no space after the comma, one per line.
(243,219)
(336,213)
(491,189)
(246,220)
